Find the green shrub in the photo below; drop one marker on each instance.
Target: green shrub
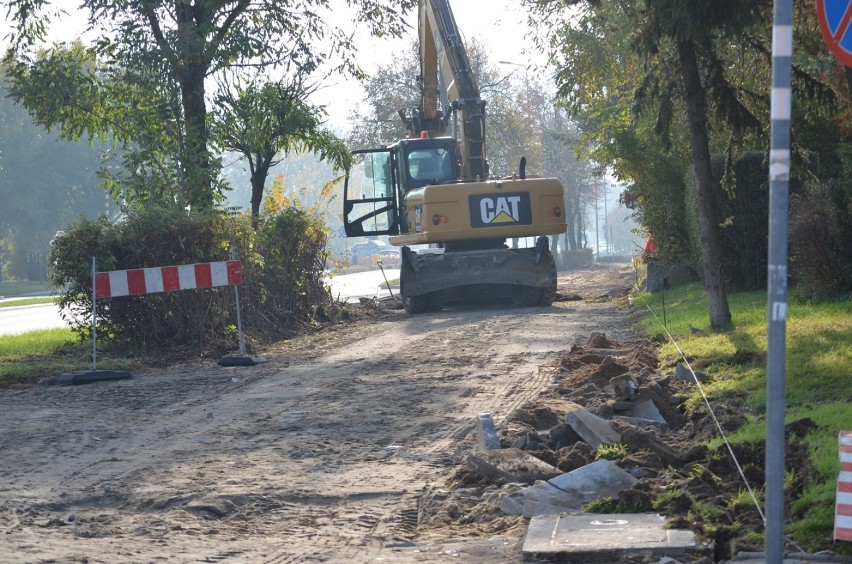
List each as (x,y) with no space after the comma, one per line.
(820,232)
(282,288)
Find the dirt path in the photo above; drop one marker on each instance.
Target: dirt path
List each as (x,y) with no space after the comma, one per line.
(317,455)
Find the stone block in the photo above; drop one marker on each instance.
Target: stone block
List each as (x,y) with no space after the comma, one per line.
(486,433)
(511,465)
(647,410)
(593,429)
(562,436)
(683,374)
(623,387)
(643,423)
(599,479)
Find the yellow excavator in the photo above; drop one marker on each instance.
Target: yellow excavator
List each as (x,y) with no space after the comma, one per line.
(432,195)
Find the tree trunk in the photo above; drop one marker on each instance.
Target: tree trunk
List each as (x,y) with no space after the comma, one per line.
(197,165)
(708,216)
(191,72)
(258,182)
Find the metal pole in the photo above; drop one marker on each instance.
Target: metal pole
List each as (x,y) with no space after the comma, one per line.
(94,317)
(779,185)
(239,322)
(239,317)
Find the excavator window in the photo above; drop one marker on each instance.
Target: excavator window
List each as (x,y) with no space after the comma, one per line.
(429,166)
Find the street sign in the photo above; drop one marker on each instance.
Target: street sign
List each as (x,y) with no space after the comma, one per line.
(834,18)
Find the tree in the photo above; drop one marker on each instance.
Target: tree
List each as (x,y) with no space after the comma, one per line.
(44,184)
(184,43)
(682,47)
(264,123)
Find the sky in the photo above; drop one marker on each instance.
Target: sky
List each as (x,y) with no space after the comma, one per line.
(500,25)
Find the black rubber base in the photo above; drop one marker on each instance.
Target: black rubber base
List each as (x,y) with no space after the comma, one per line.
(241,360)
(90,376)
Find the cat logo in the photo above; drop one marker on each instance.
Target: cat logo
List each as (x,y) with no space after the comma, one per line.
(505,209)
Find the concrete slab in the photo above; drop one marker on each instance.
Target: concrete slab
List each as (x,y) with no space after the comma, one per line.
(486,433)
(594,430)
(601,478)
(540,494)
(512,465)
(603,538)
(643,423)
(539,508)
(647,410)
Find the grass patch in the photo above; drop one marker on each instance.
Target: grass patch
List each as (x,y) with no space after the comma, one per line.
(14,288)
(27,301)
(27,358)
(818,381)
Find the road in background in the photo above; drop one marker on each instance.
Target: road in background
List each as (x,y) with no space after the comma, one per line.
(22,319)
(350,287)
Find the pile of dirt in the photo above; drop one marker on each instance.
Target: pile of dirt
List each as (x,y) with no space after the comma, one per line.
(696,488)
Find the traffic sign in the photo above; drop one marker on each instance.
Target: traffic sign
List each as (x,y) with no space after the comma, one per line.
(834,18)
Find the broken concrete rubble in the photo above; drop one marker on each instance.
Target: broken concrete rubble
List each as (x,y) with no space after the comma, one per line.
(647,410)
(648,424)
(594,430)
(510,465)
(572,490)
(623,387)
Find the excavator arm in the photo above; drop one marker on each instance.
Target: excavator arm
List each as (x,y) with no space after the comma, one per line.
(445,68)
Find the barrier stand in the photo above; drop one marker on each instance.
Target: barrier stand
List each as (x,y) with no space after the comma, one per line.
(93,375)
(243,359)
(843,505)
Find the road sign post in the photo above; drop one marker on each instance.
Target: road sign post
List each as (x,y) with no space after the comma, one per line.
(779,184)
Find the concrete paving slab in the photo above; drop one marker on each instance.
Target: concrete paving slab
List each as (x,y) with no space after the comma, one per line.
(512,465)
(594,430)
(603,538)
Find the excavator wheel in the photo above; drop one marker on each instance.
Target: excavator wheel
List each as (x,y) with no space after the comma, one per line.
(548,295)
(526,296)
(418,304)
(436,301)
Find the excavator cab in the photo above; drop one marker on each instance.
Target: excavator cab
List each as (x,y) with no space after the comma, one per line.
(376,186)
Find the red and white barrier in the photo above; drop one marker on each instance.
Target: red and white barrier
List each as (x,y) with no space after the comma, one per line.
(163,279)
(167,278)
(843,506)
